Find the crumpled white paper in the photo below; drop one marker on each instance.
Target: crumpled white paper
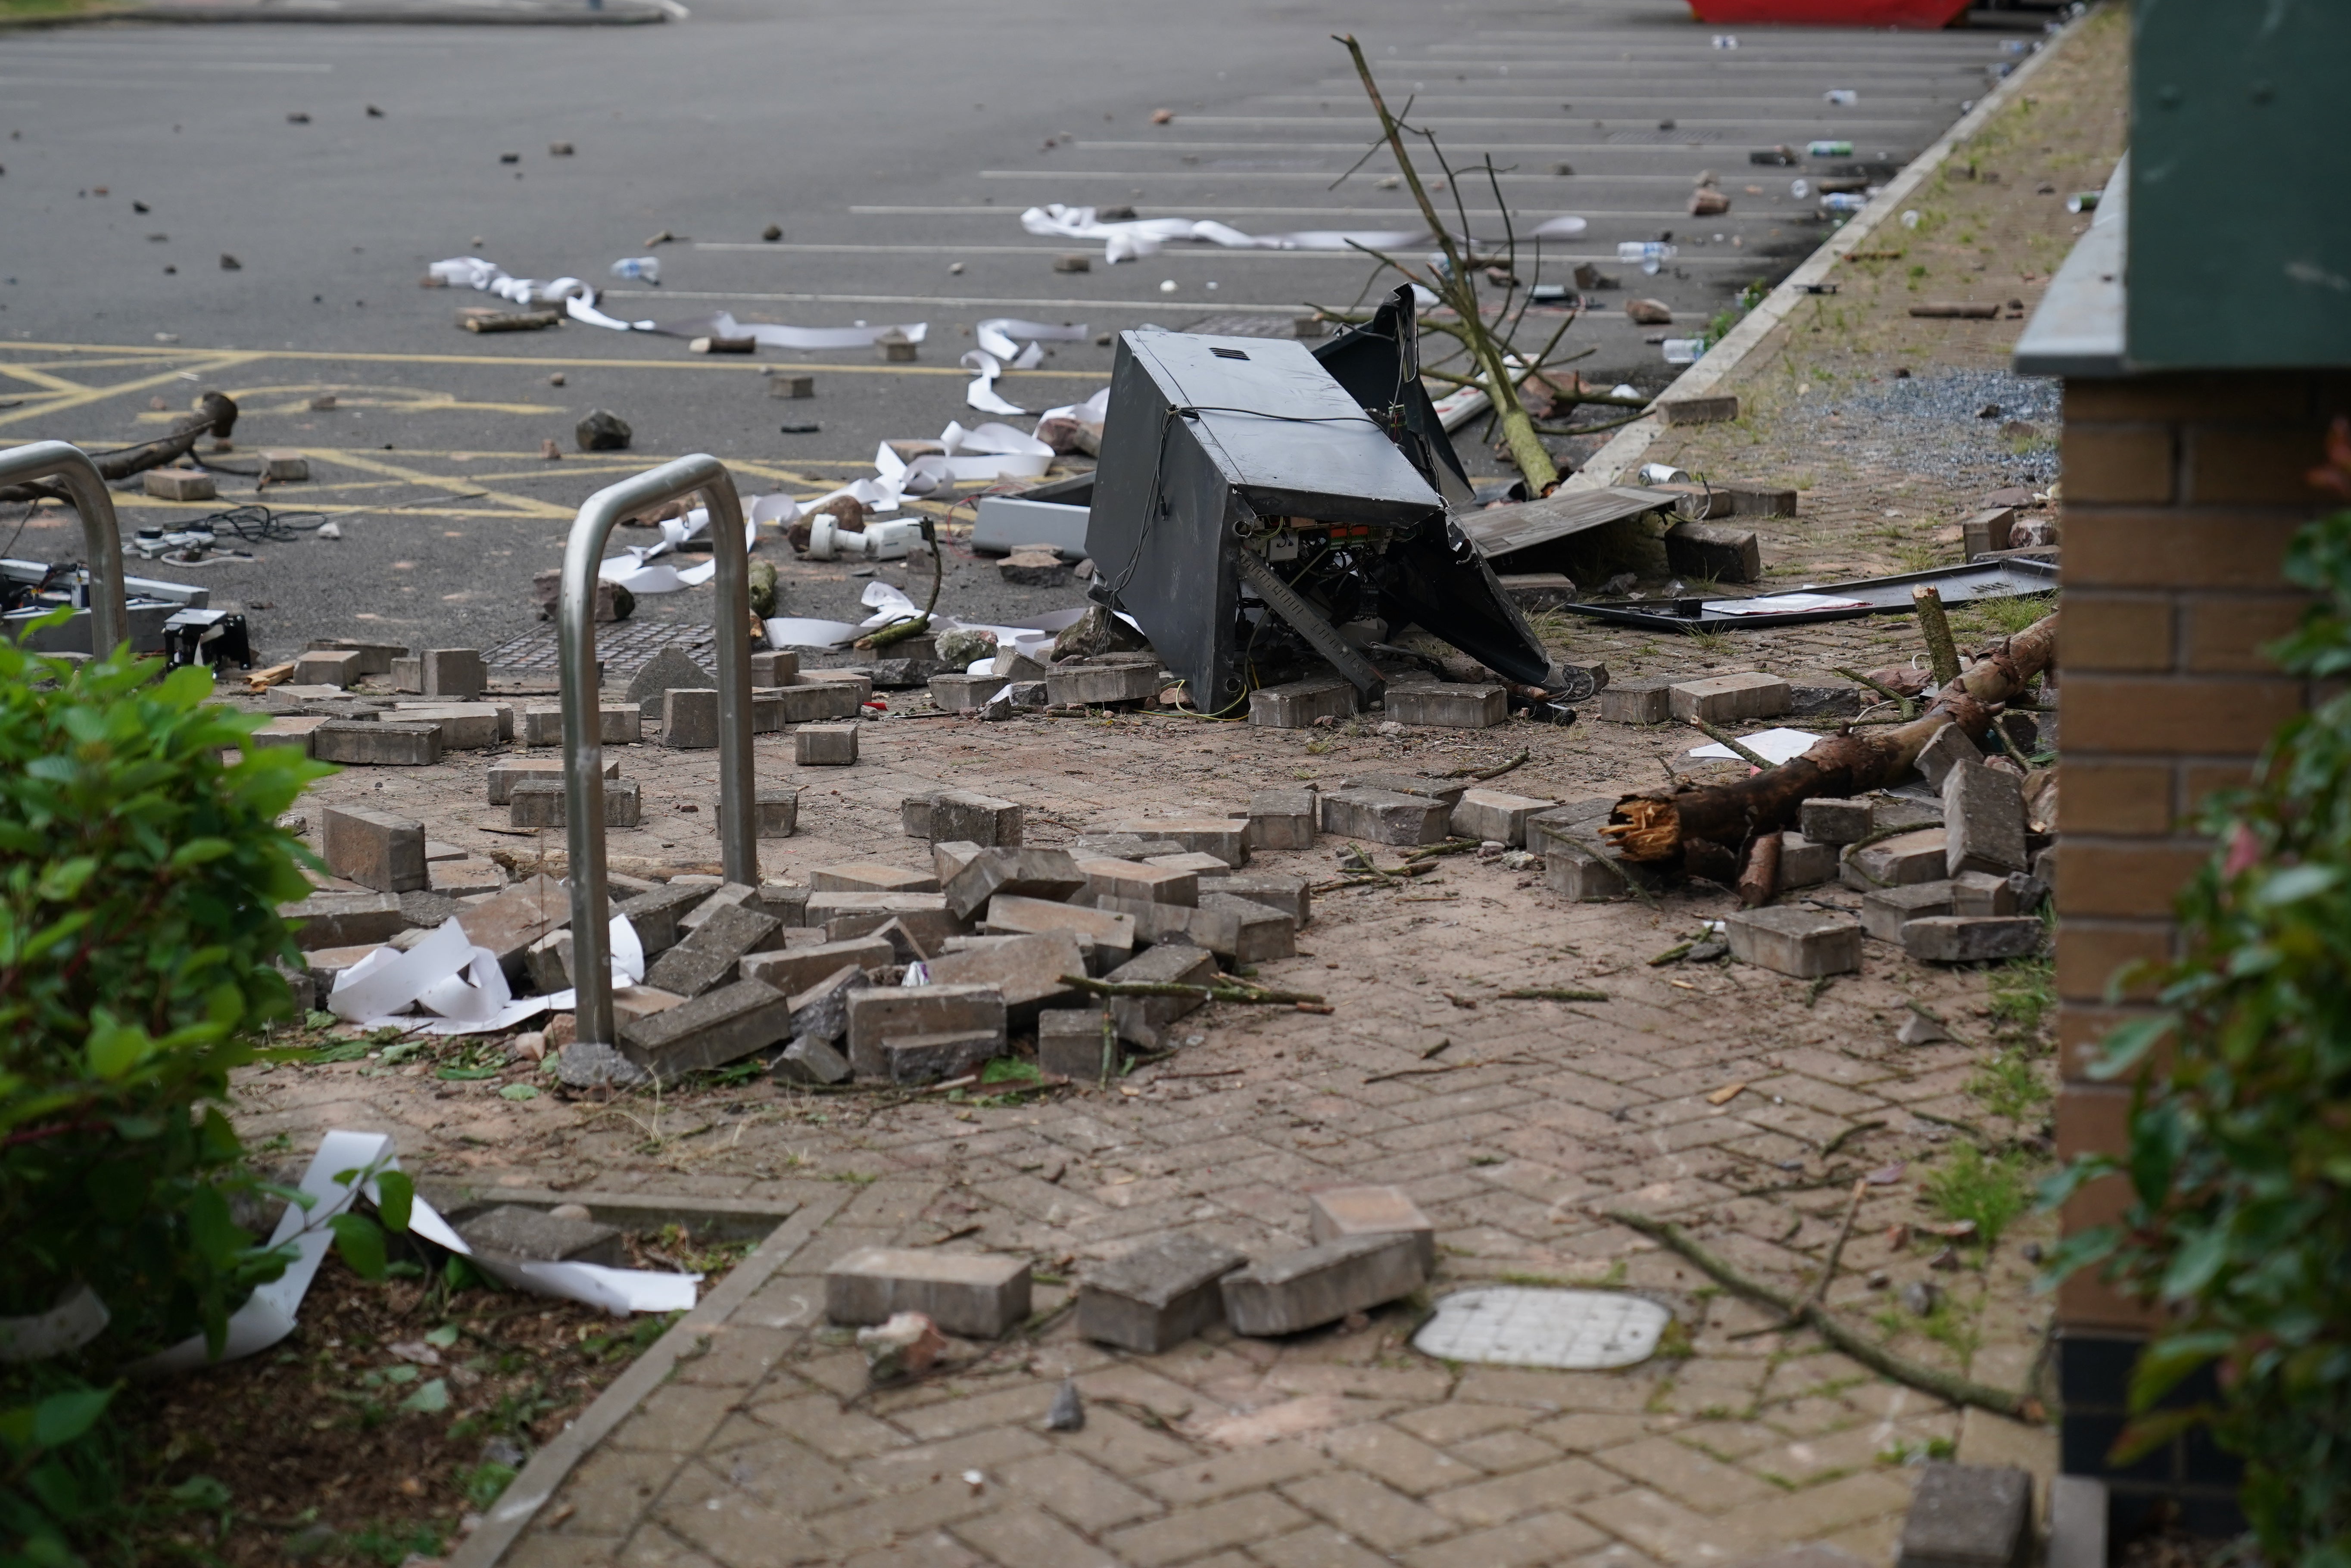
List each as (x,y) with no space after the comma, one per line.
(460,985)
(1000,349)
(267,1315)
(773,334)
(633,568)
(580,299)
(1141,237)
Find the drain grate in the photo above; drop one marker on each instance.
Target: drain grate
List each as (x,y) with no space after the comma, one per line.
(623,647)
(1510,1325)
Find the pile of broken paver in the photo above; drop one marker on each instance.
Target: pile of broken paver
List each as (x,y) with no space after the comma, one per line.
(1369,1245)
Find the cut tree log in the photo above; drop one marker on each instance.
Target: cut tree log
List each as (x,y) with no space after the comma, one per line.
(1701,826)
(214,413)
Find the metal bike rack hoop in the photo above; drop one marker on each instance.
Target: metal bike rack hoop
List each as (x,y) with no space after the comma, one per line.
(583,734)
(102,536)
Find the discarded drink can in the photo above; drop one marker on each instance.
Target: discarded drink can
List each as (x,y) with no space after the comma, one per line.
(1726,40)
(2081,202)
(1662,473)
(1684,350)
(1828,149)
(638,269)
(1843,98)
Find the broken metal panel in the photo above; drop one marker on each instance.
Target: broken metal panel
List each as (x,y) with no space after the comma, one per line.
(1379,364)
(1441,585)
(1501,531)
(1983,580)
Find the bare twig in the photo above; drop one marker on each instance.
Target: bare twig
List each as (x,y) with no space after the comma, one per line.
(1944,1385)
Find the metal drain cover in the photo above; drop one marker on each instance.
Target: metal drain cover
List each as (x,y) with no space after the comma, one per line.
(1512,1326)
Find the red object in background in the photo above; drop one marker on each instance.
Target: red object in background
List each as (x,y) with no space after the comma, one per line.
(1832,12)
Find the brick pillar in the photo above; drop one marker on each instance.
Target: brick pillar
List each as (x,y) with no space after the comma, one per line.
(2180,494)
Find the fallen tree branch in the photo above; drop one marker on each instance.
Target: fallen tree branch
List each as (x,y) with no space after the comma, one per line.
(1482,774)
(1819,1287)
(1946,1386)
(214,413)
(1211,993)
(1909,707)
(1649,828)
(1552,994)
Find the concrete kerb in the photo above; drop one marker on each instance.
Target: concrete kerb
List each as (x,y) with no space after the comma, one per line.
(512,1514)
(1625,449)
(357,16)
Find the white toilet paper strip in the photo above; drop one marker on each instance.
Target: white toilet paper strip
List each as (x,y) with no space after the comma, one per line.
(346,1169)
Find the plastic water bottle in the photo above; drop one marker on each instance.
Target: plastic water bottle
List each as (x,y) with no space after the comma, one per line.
(2082,202)
(1800,189)
(1726,40)
(1847,201)
(1650,255)
(638,269)
(1684,350)
(1843,98)
(1910,219)
(1828,149)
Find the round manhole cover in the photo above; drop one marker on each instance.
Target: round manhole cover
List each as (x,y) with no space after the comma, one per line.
(1512,1326)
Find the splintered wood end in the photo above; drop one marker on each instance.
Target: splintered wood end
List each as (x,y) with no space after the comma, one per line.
(1644,829)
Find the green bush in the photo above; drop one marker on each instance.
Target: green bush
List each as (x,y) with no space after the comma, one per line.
(139,873)
(2239,1162)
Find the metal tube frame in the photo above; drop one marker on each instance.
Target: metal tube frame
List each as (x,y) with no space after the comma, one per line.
(584,731)
(109,618)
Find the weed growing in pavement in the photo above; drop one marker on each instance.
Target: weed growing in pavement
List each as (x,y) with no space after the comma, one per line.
(1917,1451)
(391,1545)
(2005,616)
(2009,1084)
(1971,1185)
(2023,995)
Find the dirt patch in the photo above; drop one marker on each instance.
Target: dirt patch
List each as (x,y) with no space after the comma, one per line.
(395,1411)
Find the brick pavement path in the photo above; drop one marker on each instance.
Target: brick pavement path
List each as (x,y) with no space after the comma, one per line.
(1342,1446)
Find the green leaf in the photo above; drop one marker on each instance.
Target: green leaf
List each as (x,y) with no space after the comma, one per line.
(1010,1070)
(467,1075)
(202,1494)
(2128,1046)
(59,1419)
(199,851)
(115,1048)
(2162,1363)
(2295,884)
(394,1194)
(519,1092)
(2195,1263)
(442,1338)
(63,882)
(2151,1431)
(431,1399)
(361,1241)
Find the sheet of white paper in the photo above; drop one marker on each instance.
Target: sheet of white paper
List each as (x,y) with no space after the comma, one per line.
(1783,604)
(982,393)
(388,981)
(1092,412)
(480,992)
(771,335)
(1779,745)
(779,509)
(796,631)
(1003,335)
